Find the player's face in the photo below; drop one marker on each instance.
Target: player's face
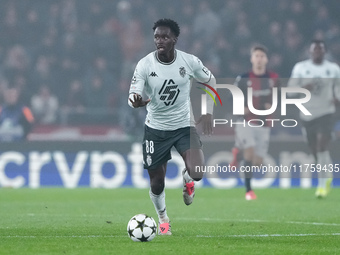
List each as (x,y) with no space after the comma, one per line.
(317,51)
(259,59)
(164,40)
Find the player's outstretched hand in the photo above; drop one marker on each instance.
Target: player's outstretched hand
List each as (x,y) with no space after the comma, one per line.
(138,101)
(206,121)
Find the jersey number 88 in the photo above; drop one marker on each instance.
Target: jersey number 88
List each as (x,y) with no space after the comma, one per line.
(149,146)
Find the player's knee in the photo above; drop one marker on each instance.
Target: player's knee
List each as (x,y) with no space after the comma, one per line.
(157,186)
(195,175)
(197,179)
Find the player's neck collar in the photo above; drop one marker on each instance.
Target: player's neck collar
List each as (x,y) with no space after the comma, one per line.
(259,75)
(165,63)
(318,64)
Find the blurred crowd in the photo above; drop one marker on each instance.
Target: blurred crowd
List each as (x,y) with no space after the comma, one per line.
(78,56)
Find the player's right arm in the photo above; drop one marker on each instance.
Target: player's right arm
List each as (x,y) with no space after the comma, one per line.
(297,79)
(138,82)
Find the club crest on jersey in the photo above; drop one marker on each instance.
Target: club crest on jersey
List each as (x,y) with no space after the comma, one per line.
(182,71)
(148,160)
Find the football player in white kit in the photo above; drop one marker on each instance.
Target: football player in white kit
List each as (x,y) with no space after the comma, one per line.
(321,77)
(165,76)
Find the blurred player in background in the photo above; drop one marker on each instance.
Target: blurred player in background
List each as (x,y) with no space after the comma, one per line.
(321,77)
(254,141)
(165,77)
(16,120)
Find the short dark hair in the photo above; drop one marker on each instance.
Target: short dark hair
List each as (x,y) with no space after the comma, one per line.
(318,41)
(259,47)
(168,23)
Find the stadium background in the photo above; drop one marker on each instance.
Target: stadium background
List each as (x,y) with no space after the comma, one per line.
(83,54)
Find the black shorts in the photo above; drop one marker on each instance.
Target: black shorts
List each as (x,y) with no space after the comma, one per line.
(321,125)
(157,144)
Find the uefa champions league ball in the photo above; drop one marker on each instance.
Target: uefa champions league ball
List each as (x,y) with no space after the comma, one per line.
(142,228)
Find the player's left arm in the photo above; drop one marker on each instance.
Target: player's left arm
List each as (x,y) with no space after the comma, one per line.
(203,74)
(296,79)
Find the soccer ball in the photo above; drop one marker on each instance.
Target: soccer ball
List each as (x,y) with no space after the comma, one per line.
(142,228)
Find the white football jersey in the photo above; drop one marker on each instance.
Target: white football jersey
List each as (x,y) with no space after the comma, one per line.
(168,86)
(325,79)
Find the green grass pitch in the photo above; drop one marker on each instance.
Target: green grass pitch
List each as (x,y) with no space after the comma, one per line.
(93,221)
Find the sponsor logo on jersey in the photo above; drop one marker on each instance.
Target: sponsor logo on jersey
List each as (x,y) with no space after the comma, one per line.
(182,71)
(262,92)
(169,92)
(153,74)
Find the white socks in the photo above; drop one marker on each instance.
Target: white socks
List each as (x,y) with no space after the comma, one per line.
(159,203)
(324,159)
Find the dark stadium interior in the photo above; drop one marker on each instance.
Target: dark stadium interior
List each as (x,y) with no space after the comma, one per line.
(79,54)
